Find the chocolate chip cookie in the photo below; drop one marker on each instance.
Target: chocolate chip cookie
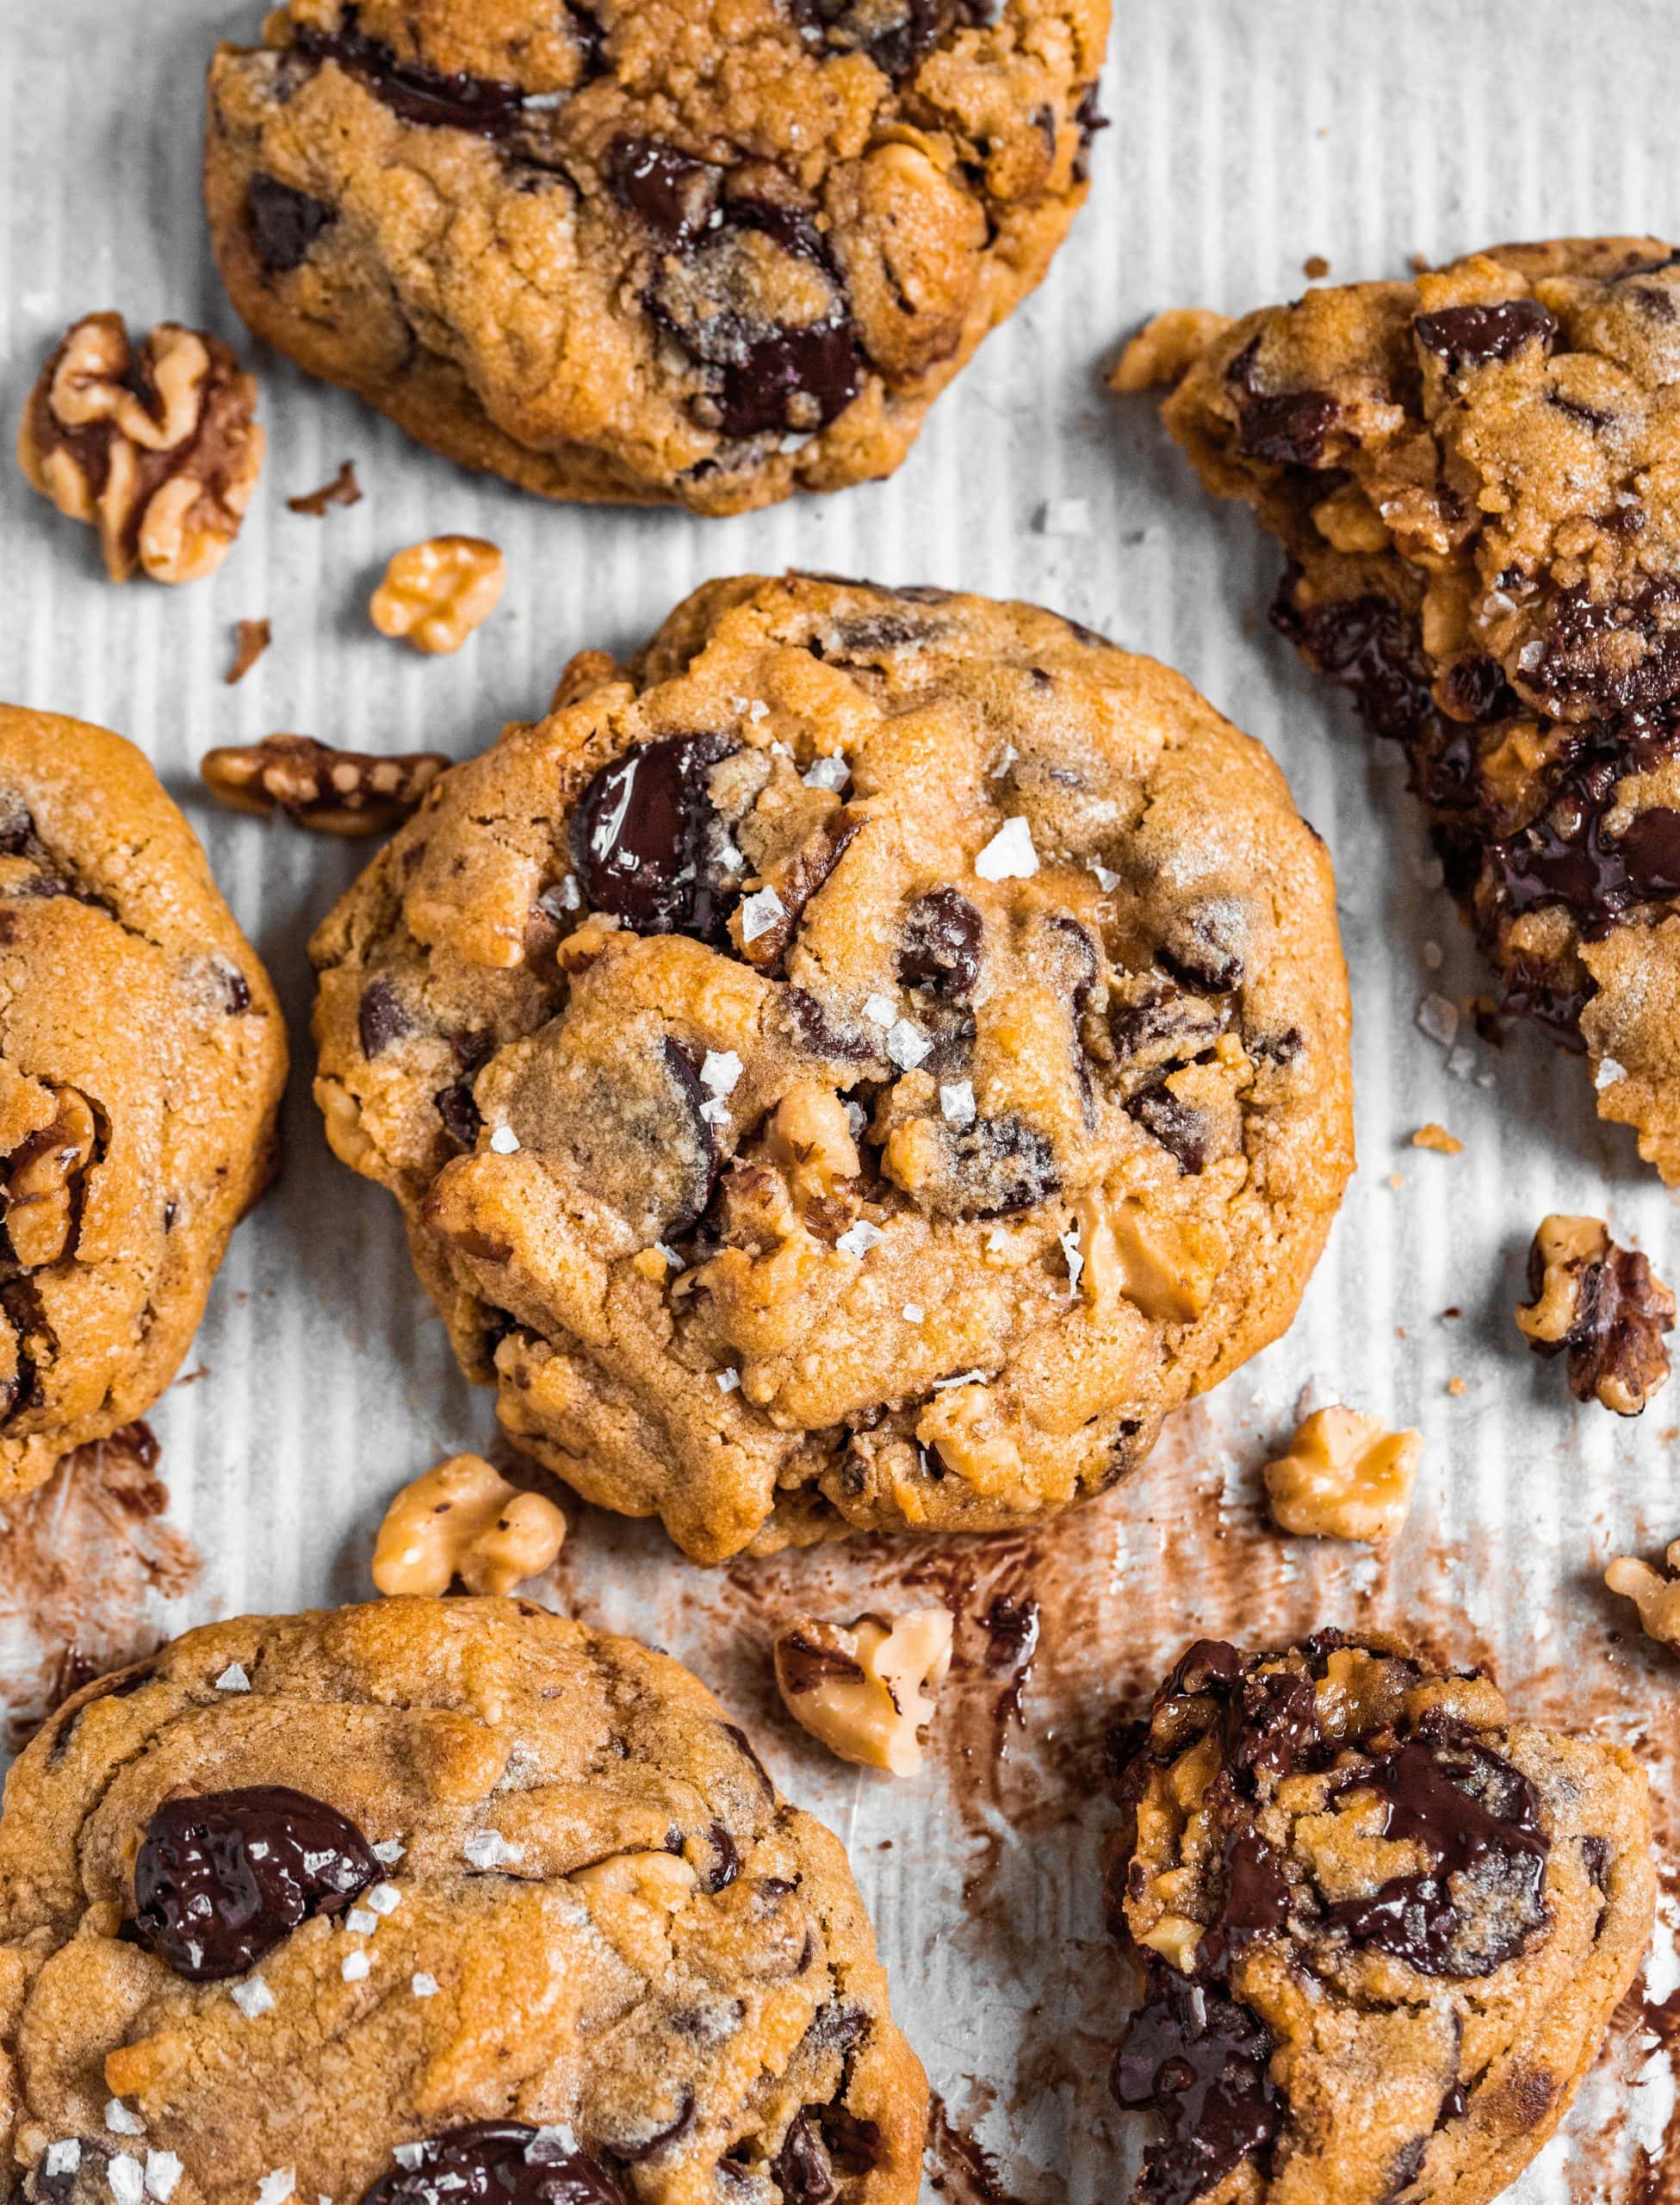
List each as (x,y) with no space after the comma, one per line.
(432,1898)
(1476,477)
(1381,1926)
(859,1065)
(697,253)
(142,1055)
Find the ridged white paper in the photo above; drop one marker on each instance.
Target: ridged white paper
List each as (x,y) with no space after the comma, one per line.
(1245,139)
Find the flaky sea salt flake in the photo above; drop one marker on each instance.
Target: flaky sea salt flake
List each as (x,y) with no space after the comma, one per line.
(233,1679)
(905,1045)
(126,2177)
(276,2188)
(384,1898)
(163,2171)
(1075,1255)
(759,912)
(727,1379)
(956,1102)
(424,1985)
(252,1996)
(1009,855)
(830,772)
(488,1848)
(858,1239)
(389,1850)
(360,1923)
(64,2157)
(505,1141)
(962,1378)
(1438,1019)
(721,1071)
(1607,1074)
(355,1966)
(121,2121)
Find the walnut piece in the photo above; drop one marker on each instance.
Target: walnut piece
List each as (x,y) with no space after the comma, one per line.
(1656,1597)
(436,593)
(40,1177)
(160,451)
(1344,1477)
(335,792)
(1602,1306)
(810,1137)
(865,1689)
(463,1520)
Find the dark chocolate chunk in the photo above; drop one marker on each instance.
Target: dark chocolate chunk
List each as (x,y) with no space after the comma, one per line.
(895,34)
(284,224)
(727,1867)
(1286,428)
(940,949)
(1597,659)
(660,2134)
(1088,118)
(1181,1129)
(496,2163)
(223,1879)
(1197,2061)
(1471,337)
(674,194)
(802,2169)
(645,838)
(991,1169)
(634,1129)
(455,101)
(381,1018)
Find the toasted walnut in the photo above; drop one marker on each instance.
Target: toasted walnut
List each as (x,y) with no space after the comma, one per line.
(1603,1307)
(1166,1265)
(1344,1477)
(1656,1597)
(436,593)
(41,1174)
(810,1137)
(1437,1138)
(658,1880)
(160,452)
(865,1689)
(335,792)
(463,1520)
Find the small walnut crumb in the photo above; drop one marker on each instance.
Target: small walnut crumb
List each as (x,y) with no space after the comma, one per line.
(1165,349)
(342,490)
(1344,1477)
(40,1177)
(253,638)
(160,452)
(336,792)
(865,1689)
(1437,1138)
(434,595)
(1656,1597)
(1395,1181)
(1456,1387)
(463,1520)
(810,1137)
(1602,1306)
(1315,268)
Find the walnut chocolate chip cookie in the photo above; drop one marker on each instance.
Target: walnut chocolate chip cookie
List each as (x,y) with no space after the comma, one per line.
(860,1064)
(142,1055)
(698,252)
(1381,1926)
(1474,478)
(432,1897)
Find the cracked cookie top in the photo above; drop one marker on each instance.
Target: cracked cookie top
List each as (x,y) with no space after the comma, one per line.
(648,250)
(142,1054)
(432,1898)
(1476,479)
(859,1065)
(1381,1926)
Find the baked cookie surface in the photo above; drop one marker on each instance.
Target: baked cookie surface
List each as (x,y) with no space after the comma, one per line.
(859,1065)
(1381,1925)
(142,1055)
(652,252)
(432,1897)
(1476,477)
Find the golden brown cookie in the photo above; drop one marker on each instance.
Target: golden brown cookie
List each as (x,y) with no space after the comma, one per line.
(1381,1926)
(425,1899)
(142,1056)
(701,253)
(1476,477)
(859,1065)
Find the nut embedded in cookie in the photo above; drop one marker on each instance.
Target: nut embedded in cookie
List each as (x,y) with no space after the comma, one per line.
(1472,477)
(454,1898)
(159,451)
(1344,1476)
(463,1520)
(1336,1862)
(435,594)
(866,1689)
(1602,1307)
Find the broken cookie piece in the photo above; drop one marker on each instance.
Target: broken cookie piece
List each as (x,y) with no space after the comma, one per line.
(1657,1597)
(1344,1476)
(866,1689)
(1379,1926)
(463,1520)
(1472,478)
(1602,1307)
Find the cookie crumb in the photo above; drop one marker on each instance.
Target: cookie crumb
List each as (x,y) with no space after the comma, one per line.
(1437,1138)
(251,639)
(1315,268)
(1456,1387)
(342,490)
(1395,1180)
(1437,1019)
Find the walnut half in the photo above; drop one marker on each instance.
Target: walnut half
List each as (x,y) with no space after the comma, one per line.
(160,451)
(865,1689)
(41,1178)
(335,792)
(463,1520)
(1656,1597)
(1344,1477)
(1602,1306)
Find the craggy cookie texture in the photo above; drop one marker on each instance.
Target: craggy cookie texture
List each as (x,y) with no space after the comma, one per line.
(142,1055)
(861,1064)
(432,1899)
(1476,479)
(670,251)
(1382,1926)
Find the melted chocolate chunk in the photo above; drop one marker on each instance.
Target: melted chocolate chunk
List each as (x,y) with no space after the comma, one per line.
(496,2163)
(1475,690)
(895,34)
(674,194)
(1196,959)
(283,224)
(994,1167)
(940,946)
(646,839)
(727,1867)
(380,1018)
(854,2146)
(663,2134)
(1567,856)
(634,1131)
(1477,1817)
(1286,428)
(815,1034)
(1181,1129)
(1369,645)
(1266,1720)
(457,101)
(1088,119)
(1168,1028)
(223,1879)
(1471,337)
(1198,2062)
(802,2169)
(1599,660)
